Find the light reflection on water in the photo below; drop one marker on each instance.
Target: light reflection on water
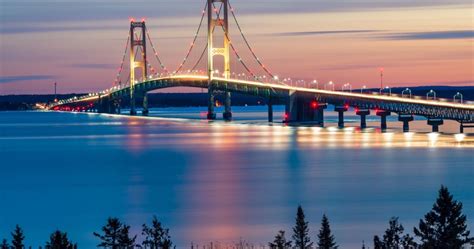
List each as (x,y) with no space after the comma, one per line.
(221,181)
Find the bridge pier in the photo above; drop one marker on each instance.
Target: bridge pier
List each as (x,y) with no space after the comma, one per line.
(303,108)
(270,110)
(211,115)
(383,118)
(435,123)
(227,115)
(341,110)
(363,114)
(405,118)
(145,110)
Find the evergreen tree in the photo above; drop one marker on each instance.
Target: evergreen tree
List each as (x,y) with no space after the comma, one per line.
(156,236)
(393,234)
(326,239)
(363,244)
(444,226)
(4,244)
(280,241)
(17,238)
(301,231)
(116,235)
(59,240)
(125,241)
(377,243)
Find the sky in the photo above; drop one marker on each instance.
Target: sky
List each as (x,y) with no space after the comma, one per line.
(80,44)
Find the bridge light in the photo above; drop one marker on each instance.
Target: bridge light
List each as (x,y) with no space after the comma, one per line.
(314,104)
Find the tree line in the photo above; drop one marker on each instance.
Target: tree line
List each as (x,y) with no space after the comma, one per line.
(443,227)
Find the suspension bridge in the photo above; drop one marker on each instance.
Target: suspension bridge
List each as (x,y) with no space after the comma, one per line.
(304,102)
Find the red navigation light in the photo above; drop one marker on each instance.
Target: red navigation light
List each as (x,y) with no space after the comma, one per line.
(381,69)
(346,106)
(132,19)
(143,19)
(314,104)
(285,116)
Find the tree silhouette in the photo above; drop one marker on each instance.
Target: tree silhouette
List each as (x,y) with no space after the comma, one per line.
(377,243)
(393,234)
(280,241)
(116,235)
(156,236)
(325,238)
(125,240)
(17,238)
(444,226)
(301,231)
(59,240)
(4,244)
(393,237)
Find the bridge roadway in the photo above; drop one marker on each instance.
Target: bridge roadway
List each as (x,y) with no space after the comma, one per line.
(302,104)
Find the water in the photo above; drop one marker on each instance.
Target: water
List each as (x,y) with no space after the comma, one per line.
(220,181)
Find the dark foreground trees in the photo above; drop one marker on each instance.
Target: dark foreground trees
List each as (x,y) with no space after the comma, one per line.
(59,240)
(156,236)
(115,235)
(394,238)
(17,238)
(325,238)
(301,231)
(280,241)
(444,226)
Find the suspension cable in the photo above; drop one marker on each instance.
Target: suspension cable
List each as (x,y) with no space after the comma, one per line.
(248,44)
(193,41)
(117,78)
(163,67)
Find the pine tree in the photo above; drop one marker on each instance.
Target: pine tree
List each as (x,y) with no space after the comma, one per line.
(125,241)
(280,241)
(59,240)
(17,238)
(393,234)
(114,234)
(363,244)
(444,226)
(326,239)
(377,243)
(4,244)
(301,231)
(156,236)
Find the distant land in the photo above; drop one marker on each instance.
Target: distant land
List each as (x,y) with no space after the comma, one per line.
(28,102)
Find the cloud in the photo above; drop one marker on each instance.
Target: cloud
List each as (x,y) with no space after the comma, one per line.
(325,32)
(437,35)
(93,65)
(10,79)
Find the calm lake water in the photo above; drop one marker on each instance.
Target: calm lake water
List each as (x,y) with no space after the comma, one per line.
(217,181)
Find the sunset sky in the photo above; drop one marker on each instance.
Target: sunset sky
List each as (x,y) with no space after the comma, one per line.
(80,44)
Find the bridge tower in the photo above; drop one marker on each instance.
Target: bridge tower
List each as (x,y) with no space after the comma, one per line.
(137,40)
(215,19)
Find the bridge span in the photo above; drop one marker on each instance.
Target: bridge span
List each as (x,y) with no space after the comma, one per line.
(302,104)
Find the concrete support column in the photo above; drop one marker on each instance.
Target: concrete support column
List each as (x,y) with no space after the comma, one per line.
(227,107)
(133,111)
(319,113)
(383,118)
(435,123)
(341,110)
(270,110)
(211,115)
(363,114)
(145,110)
(405,118)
